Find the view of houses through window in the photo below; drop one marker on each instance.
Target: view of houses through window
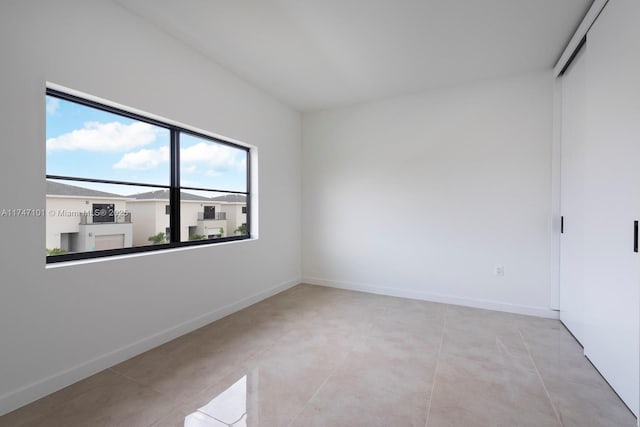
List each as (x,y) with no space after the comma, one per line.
(81,219)
(117,181)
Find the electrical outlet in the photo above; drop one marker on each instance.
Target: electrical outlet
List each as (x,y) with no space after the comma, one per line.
(499,270)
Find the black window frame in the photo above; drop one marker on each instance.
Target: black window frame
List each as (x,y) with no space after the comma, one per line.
(173,185)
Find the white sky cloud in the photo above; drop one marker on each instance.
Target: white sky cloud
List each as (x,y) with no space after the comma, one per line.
(52,105)
(215,159)
(217,156)
(105,137)
(144,159)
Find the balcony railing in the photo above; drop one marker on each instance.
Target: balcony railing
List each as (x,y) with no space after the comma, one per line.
(218,216)
(120,218)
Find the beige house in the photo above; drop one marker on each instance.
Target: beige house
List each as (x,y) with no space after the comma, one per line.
(234,207)
(82,220)
(199,216)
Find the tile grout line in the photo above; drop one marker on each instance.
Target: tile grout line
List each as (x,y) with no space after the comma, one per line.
(435,372)
(248,357)
(143,385)
(544,386)
(178,402)
(315,393)
(175,403)
(133,380)
(331,374)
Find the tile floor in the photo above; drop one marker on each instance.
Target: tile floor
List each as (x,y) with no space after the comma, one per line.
(315,356)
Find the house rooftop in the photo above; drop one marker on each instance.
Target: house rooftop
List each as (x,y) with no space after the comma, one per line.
(164,195)
(231,198)
(59,189)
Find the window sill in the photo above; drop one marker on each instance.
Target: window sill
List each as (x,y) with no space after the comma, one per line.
(107,258)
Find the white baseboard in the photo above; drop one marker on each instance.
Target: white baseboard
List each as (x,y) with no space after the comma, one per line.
(31,392)
(441,298)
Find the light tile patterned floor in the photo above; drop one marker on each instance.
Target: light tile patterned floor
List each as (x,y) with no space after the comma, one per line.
(315,356)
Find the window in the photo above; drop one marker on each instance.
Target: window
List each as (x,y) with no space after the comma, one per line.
(111,173)
(209,212)
(244,209)
(103,212)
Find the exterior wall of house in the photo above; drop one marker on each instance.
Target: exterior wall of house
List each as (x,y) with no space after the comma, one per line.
(188,217)
(162,219)
(235,217)
(89,233)
(151,219)
(212,227)
(145,220)
(148,218)
(192,215)
(65,213)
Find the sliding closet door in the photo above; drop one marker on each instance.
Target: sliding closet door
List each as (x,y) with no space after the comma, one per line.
(572,195)
(612,197)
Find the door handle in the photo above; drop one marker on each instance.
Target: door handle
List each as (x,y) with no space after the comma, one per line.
(562,225)
(635,236)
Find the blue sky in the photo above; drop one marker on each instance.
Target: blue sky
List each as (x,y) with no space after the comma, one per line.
(89,143)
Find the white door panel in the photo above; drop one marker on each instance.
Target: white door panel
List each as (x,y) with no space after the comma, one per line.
(612,197)
(572,195)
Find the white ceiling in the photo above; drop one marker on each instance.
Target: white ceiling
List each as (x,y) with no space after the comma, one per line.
(315,54)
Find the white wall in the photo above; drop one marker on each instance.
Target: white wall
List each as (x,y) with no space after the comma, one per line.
(60,324)
(470,166)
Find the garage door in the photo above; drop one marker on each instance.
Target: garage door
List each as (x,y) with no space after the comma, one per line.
(109,241)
